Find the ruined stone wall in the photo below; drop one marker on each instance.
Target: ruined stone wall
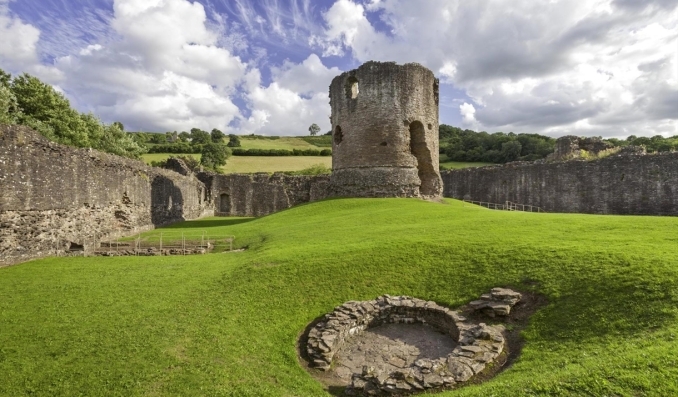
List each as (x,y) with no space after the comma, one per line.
(623,184)
(570,147)
(54,197)
(262,194)
(385,131)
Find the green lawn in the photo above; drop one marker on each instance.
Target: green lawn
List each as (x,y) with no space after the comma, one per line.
(227,324)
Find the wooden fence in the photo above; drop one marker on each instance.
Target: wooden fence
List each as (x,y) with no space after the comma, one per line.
(507,206)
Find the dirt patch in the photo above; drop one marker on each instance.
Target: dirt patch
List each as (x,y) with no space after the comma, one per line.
(391,347)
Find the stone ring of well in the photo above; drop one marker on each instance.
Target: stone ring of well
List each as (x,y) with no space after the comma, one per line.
(478,344)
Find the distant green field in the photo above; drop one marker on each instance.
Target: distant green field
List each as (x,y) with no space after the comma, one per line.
(324,141)
(288,143)
(148,157)
(454,165)
(227,324)
(249,164)
(445,164)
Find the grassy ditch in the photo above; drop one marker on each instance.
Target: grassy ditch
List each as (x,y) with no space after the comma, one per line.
(226,324)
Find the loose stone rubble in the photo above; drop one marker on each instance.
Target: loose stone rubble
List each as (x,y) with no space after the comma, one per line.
(153,252)
(497,303)
(478,344)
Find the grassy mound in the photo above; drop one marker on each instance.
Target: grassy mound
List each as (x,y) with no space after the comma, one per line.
(227,324)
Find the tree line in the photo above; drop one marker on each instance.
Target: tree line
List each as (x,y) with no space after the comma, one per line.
(25,100)
(499,147)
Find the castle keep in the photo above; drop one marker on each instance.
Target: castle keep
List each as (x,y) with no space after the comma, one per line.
(385,132)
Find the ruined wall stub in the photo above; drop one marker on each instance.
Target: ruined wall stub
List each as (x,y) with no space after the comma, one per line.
(385,132)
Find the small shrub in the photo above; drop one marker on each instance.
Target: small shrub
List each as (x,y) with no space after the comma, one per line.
(316,169)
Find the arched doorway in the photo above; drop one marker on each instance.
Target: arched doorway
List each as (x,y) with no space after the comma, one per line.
(420,150)
(225,203)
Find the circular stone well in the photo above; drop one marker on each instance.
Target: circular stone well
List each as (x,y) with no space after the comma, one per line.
(398,345)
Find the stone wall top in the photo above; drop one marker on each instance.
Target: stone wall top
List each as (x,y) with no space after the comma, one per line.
(38,174)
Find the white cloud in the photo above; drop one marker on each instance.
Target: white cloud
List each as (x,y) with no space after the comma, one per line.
(600,67)
(468,115)
(311,76)
(297,98)
(348,27)
(165,73)
(530,66)
(18,46)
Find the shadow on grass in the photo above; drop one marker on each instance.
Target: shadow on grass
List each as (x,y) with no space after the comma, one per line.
(595,301)
(221,222)
(594,310)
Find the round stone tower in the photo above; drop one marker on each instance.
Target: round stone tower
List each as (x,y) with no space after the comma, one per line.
(385,132)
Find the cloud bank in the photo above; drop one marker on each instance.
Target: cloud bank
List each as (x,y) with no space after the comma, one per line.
(604,67)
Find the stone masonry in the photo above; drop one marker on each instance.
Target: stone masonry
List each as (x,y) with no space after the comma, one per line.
(261,194)
(628,183)
(385,132)
(570,147)
(56,198)
(479,345)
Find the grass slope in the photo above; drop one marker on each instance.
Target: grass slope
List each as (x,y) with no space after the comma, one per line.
(288,143)
(227,324)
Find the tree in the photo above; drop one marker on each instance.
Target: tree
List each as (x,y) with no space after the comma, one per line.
(5,78)
(314,129)
(510,151)
(115,140)
(119,125)
(158,138)
(233,141)
(139,137)
(217,136)
(183,136)
(48,111)
(191,162)
(214,155)
(9,109)
(199,136)
(25,100)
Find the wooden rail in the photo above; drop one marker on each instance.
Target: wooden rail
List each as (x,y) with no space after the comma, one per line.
(507,206)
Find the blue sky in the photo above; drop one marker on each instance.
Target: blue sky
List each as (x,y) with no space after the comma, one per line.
(598,67)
